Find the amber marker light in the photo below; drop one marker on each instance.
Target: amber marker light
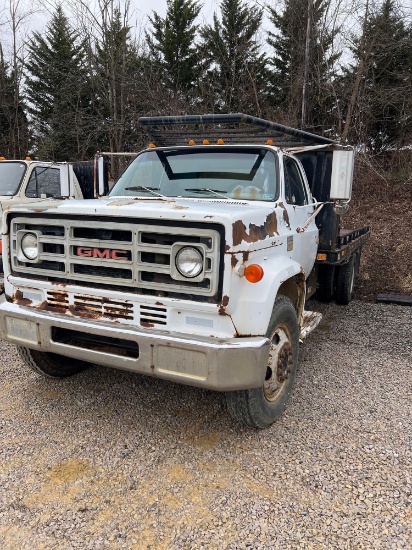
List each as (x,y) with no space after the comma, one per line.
(321,257)
(269,142)
(206,142)
(152,146)
(220,141)
(28,158)
(2,158)
(254,273)
(191,142)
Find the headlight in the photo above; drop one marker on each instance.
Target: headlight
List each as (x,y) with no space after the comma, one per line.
(189,261)
(30,246)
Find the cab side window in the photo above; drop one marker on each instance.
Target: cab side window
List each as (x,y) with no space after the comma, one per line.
(295,191)
(44,182)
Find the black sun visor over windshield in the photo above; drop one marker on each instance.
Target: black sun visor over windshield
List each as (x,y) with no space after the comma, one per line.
(166,158)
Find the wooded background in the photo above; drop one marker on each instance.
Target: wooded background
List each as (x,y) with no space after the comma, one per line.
(80,84)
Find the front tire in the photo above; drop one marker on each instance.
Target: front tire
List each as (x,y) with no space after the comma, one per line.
(51,364)
(260,407)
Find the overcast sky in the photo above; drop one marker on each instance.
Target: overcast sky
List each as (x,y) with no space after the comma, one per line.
(37,14)
(140,9)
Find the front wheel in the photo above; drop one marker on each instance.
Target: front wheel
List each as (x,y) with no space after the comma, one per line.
(260,407)
(51,364)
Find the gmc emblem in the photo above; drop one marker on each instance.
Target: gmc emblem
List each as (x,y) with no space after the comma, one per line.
(106,253)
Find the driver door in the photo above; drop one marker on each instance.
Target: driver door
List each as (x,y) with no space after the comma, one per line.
(300,206)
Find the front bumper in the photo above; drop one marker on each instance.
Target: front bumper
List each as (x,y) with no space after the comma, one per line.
(222,364)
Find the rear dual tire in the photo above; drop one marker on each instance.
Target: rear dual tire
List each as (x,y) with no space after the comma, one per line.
(345,283)
(326,282)
(338,282)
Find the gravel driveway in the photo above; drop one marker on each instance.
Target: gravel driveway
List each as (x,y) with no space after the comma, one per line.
(110,459)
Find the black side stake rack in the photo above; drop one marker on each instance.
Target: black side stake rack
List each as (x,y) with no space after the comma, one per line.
(233,128)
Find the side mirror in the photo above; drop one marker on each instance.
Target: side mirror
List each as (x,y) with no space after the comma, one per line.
(101,181)
(340,207)
(65,181)
(100,174)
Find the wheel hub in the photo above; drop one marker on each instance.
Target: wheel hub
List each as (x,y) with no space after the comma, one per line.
(284,363)
(279,365)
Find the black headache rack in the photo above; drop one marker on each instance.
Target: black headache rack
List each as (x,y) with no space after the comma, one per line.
(234,128)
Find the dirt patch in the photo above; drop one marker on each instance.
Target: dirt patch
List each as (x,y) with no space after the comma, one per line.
(386,206)
(68,471)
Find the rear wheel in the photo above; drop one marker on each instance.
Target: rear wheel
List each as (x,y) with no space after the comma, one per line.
(326,283)
(51,364)
(345,283)
(260,407)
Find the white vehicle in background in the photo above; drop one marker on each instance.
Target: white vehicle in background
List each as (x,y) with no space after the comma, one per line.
(27,181)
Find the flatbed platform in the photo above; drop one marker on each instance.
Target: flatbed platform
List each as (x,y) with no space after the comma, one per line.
(348,242)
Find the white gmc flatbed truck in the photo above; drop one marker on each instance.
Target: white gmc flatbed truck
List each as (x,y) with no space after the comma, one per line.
(195,268)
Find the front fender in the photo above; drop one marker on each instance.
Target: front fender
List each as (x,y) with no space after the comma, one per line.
(250,305)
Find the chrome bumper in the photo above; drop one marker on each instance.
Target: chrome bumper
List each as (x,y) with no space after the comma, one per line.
(222,364)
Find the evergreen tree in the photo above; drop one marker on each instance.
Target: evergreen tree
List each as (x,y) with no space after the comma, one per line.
(14,133)
(172,45)
(235,67)
(383,112)
(288,63)
(56,89)
(116,74)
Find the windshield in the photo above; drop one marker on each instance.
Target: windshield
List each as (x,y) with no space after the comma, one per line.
(235,173)
(11,175)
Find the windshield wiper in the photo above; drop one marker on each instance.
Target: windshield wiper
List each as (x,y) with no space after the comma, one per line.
(149,189)
(217,192)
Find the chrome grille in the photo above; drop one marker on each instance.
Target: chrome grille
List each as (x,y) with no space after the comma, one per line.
(135,256)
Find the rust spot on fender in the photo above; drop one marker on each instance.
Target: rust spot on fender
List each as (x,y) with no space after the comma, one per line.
(256,232)
(245,255)
(209,216)
(233,261)
(227,248)
(146,324)
(285,214)
(223,305)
